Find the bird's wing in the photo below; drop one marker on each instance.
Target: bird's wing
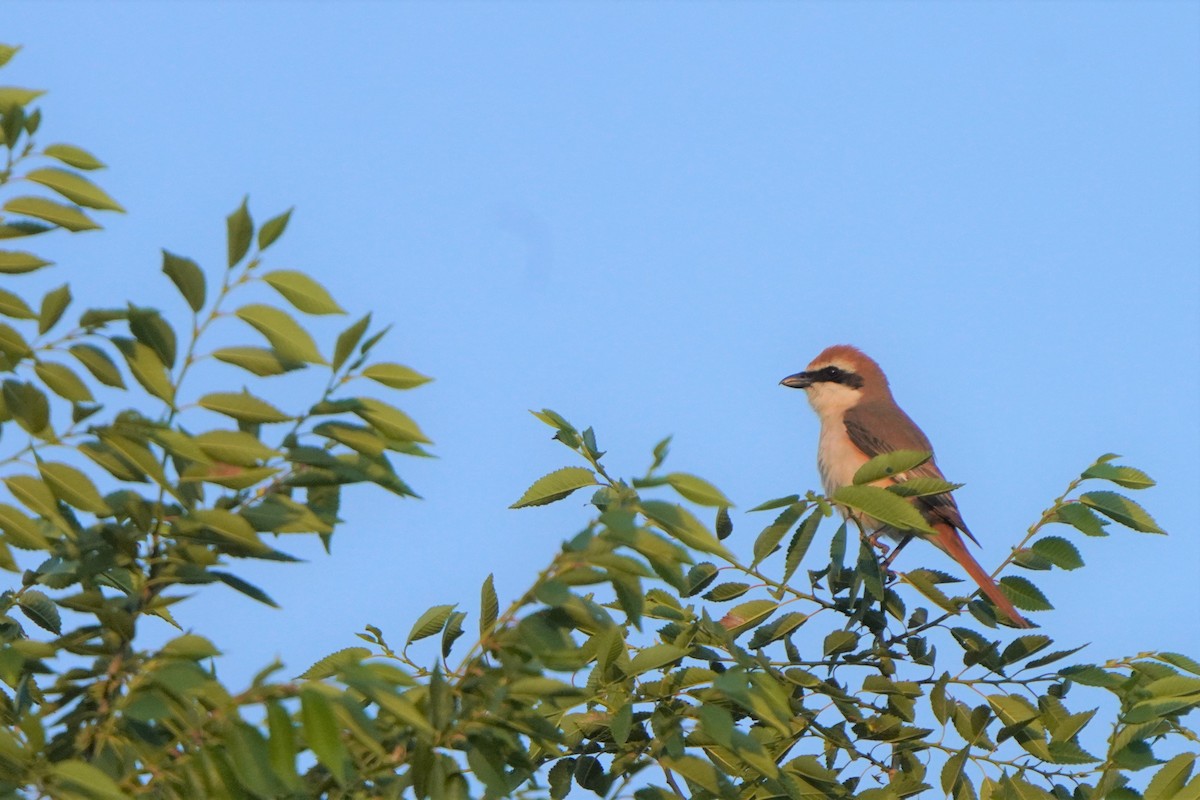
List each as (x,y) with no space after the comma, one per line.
(877,428)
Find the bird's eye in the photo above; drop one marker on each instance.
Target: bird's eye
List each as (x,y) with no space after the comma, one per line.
(833,372)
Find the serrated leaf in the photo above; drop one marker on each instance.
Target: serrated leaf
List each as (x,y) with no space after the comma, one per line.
(555,486)
(1023,647)
(1121,509)
(747,615)
(97,362)
(73,487)
(1081,518)
(800,543)
(187,277)
(883,506)
(63,382)
(245,587)
(17,96)
(74,187)
(699,577)
(272,229)
(285,334)
(389,420)
(41,609)
(67,217)
(697,490)
(489,606)
(53,305)
(429,623)
(920,580)
(1128,477)
(1179,660)
(840,642)
(1058,551)
(773,534)
(73,156)
(890,465)
(331,664)
(234,447)
(923,487)
(1170,778)
(13,344)
(190,646)
(347,340)
(257,360)
(396,376)
(34,494)
(778,502)
(302,292)
(18,262)
(453,630)
(1024,594)
(243,407)
(723,592)
(239,230)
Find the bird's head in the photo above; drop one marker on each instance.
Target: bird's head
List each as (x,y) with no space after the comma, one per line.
(838,379)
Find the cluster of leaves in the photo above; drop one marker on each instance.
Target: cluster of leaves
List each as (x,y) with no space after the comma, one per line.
(647,658)
(123,487)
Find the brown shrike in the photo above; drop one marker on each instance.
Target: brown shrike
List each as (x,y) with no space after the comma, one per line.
(860,420)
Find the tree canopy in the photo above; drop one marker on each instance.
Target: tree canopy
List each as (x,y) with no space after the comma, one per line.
(656,655)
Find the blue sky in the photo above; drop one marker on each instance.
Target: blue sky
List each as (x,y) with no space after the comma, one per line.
(643,216)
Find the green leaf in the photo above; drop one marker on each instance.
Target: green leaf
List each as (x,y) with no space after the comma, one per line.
(74,187)
(97,362)
(322,733)
(285,335)
(840,642)
(63,382)
(272,229)
(890,465)
(16,96)
(34,495)
(187,277)
(13,306)
(800,543)
(1081,518)
(1128,477)
(884,506)
(191,647)
(17,262)
(429,623)
(921,580)
(654,657)
(29,406)
(239,230)
(723,524)
(147,368)
(773,534)
(245,587)
(923,487)
(723,592)
(347,340)
(1023,647)
(53,305)
(21,531)
(1179,660)
(1169,780)
(681,524)
(73,487)
(453,630)
(243,407)
(389,420)
(1121,509)
(747,615)
(555,486)
(952,770)
(489,606)
(1024,594)
(41,609)
(699,577)
(333,663)
(395,376)
(149,328)
(1058,551)
(778,502)
(257,360)
(697,490)
(302,292)
(13,344)
(235,447)
(73,156)
(68,217)
(88,781)
(7,51)
(225,524)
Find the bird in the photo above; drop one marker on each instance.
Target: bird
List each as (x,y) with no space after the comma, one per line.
(860,420)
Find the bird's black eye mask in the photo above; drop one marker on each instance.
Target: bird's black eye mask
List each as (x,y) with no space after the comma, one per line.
(832,374)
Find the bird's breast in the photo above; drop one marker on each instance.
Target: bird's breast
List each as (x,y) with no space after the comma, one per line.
(837,457)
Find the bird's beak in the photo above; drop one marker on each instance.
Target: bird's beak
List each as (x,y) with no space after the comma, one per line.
(801,380)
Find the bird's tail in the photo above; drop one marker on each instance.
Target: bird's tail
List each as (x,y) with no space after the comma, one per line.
(949,541)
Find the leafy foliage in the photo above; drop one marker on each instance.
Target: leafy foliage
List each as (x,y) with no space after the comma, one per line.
(648,658)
